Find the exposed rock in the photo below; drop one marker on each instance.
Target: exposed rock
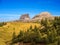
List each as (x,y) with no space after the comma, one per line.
(39,17)
(43,15)
(25,17)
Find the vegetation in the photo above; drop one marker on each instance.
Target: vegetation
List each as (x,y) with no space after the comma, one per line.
(2,23)
(46,32)
(13,28)
(48,35)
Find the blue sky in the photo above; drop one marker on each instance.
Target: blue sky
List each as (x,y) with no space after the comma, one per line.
(12,9)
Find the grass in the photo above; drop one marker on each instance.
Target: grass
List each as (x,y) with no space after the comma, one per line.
(7,30)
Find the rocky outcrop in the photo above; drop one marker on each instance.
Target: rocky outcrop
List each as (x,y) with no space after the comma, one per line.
(43,15)
(25,17)
(39,17)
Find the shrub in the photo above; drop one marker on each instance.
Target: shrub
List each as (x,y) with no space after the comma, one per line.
(2,23)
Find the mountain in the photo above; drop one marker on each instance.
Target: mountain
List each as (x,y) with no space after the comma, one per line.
(25,18)
(43,15)
(39,17)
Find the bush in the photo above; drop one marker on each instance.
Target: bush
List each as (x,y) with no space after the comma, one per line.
(2,23)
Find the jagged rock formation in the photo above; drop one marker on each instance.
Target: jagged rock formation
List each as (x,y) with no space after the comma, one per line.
(39,17)
(43,15)
(25,18)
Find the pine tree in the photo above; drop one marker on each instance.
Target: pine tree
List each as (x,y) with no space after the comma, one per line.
(13,38)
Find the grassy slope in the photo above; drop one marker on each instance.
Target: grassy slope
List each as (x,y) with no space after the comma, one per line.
(7,30)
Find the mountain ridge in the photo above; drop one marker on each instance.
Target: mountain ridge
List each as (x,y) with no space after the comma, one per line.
(39,17)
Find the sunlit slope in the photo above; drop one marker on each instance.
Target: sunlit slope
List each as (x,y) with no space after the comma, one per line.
(7,30)
(4,36)
(17,26)
(2,42)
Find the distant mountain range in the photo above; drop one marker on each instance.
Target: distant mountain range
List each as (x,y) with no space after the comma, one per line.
(38,17)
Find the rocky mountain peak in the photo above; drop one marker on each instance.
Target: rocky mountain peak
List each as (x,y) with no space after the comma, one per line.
(39,17)
(24,17)
(46,14)
(43,15)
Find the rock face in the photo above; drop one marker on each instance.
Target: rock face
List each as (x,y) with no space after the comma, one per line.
(43,15)
(25,17)
(39,17)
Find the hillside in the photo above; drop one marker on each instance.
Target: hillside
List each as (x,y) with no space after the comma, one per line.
(24,23)
(7,30)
